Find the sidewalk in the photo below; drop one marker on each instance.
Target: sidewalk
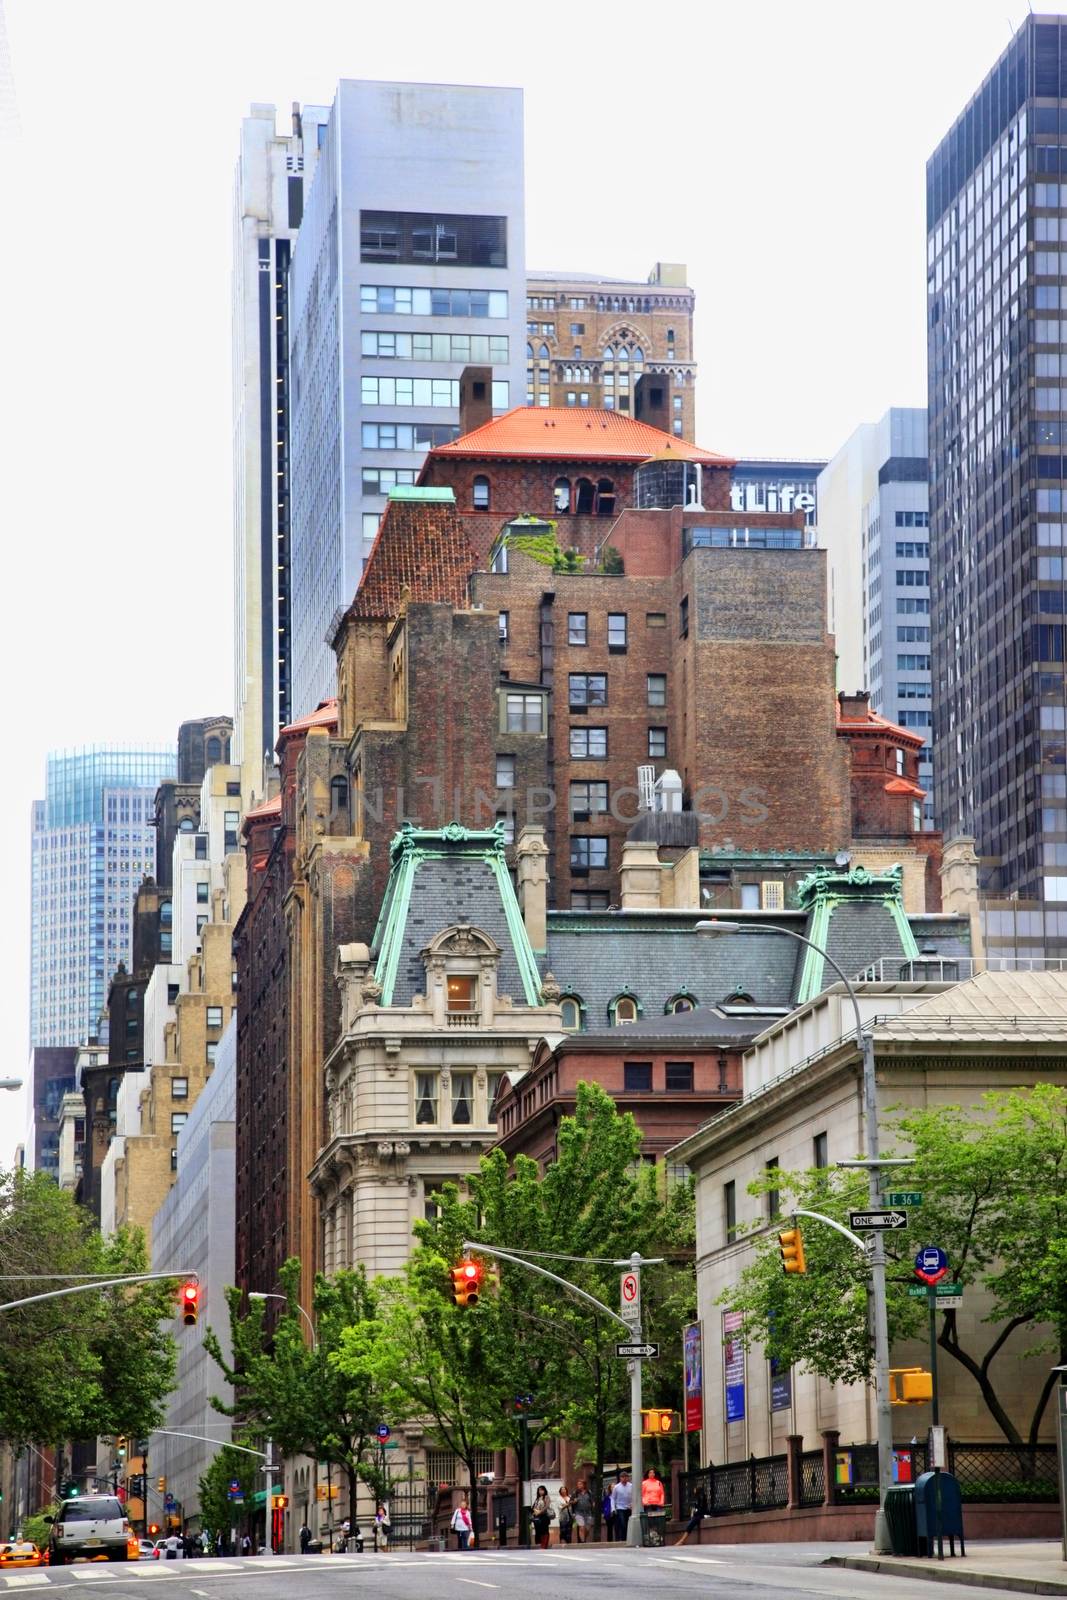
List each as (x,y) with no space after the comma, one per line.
(1028,1566)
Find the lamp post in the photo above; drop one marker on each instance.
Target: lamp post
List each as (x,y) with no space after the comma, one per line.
(261,1294)
(873,1163)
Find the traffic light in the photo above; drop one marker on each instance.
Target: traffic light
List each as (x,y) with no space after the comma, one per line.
(190,1302)
(656,1422)
(467,1282)
(161,1485)
(153,1528)
(791,1244)
(120,1449)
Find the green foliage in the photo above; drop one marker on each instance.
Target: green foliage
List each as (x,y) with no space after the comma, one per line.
(295,1392)
(217,1510)
(545,548)
(464,1367)
(36,1528)
(994,1197)
(85,1364)
(611,561)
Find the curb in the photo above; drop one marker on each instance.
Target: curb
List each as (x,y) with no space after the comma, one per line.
(940,1572)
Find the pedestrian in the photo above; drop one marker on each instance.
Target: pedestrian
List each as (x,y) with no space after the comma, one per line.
(246,1545)
(622,1503)
(346,1529)
(382,1526)
(698,1512)
(582,1510)
(171,1546)
(653,1498)
(566,1515)
(462,1525)
(305,1538)
(542,1512)
(220,1543)
(607,1512)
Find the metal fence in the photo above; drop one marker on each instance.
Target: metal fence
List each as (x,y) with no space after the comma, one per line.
(758,1484)
(812,1478)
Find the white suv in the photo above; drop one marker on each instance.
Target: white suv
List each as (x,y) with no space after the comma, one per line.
(89,1525)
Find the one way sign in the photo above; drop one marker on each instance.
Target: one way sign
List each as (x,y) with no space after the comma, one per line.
(878,1221)
(647,1352)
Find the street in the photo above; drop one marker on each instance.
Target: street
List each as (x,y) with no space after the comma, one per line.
(761,1572)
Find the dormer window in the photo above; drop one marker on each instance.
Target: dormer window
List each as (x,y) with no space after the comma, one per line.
(462,992)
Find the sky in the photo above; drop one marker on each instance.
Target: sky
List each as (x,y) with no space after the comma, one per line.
(778,149)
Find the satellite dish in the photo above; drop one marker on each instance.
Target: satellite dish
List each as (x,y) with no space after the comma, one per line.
(842,858)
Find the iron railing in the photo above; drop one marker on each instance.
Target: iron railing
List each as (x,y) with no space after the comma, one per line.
(812,1478)
(758,1484)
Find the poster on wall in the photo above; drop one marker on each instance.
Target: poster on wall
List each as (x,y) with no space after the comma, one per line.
(692,1350)
(781,1386)
(733,1366)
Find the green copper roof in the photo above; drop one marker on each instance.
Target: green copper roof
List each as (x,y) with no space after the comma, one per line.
(832,899)
(439,877)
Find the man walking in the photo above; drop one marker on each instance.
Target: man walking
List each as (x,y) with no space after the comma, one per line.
(622,1503)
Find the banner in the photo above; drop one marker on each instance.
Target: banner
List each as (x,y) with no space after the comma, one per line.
(733,1366)
(692,1350)
(781,1386)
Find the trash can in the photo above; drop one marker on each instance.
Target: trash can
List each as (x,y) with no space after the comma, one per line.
(653,1525)
(900,1517)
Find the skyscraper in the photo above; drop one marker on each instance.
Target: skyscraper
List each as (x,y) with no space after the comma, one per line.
(93,841)
(873,524)
(409,266)
(996,207)
(273,170)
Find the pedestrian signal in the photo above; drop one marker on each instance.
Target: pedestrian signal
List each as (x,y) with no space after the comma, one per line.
(190,1301)
(791,1244)
(161,1485)
(656,1422)
(467,1282)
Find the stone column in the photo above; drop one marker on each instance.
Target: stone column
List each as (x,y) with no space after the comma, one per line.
(959,885)
(831,1438)
(531,860)
(640,887)
(794,1447)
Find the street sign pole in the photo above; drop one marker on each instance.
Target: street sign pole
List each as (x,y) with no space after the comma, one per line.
(268,1503)
(883,1404)
(633,1530)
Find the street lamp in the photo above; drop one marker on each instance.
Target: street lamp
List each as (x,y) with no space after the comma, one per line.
(873,1163)
(257,1294)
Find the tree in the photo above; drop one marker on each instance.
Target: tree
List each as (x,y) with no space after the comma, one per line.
(992,1178)
(464,1368)
(227,1466)
(293,1391)
(85,1364)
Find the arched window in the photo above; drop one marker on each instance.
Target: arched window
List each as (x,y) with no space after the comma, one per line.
(622,1009)
(187,825)
(639,354)
(682,1001)
(670,335)
(529,352)
(480,496)
(605,498)
(568,374)
(542,354)
(214,752)
(586,374)
(624,354)
(739,998)
(609,353)
(561,495)
(584,497)
(166,914)
(571,1008)
(338,794)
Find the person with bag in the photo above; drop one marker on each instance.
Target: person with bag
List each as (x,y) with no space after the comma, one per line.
(542,1512)
(566,1516)
(607,1512)
(382,1526)
(462,1525)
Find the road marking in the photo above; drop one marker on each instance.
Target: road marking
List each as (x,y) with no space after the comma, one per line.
(22,1580)
(479,1584)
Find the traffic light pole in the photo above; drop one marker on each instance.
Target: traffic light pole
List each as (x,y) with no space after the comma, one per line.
(87,1288)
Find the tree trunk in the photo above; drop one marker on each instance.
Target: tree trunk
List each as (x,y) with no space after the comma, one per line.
(353,1493)
(472,1500)
(948,1339)
(1043,1399)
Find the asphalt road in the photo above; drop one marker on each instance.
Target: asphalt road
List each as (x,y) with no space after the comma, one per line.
(754,1572)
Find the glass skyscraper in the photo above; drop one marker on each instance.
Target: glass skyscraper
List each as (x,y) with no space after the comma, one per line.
(93,842)
(996,208)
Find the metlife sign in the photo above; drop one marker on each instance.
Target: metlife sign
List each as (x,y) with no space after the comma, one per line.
(777,486)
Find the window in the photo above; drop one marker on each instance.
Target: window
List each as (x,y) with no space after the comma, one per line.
(231,821)
(425,1097)
(172,993)
(561,495)
(233,789)
(772,894)
(682,1001)
(214,1016)
(655,619)
(431,1201)
(502,626)
(462,1098)
(683,616)
(462,991)
(394,300)
(589,744)
(656,683)
(588,689)
(820,1152)
(588,798)
(589,900)
(419,236)
(507,823)
(210,1052)
(202,921)
(729,1206)
(636,1075)
(679,1077)
(131,1025)
(480,496)
(179,1088)
(750,897)
(203,891)
(589,852)
(483,348)
(523,713)
(571,1007)
(173,1158)
(657,743)
(494,1082)
(178,1119)
(406,435)
(200,844)
(379,480)
(577,628)
(505,772)
(166,913)
(774,1198)
(617,632)
(410,391)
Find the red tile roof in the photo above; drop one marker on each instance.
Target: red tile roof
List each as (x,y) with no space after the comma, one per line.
(874,722)
(269,808)
(323,716)
(903,786)
(576,432)
(422,553)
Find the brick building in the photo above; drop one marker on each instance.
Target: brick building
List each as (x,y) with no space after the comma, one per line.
(613,345)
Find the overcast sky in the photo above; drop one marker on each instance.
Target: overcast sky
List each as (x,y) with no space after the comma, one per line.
(778,149)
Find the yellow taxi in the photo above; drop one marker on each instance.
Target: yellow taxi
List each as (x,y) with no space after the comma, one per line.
(21,1553)
(133,1548)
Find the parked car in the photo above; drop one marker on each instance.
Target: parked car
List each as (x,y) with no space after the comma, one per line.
(89,1525)
(21,1553)
(147,1548)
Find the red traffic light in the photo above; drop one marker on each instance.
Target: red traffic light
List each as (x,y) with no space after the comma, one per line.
(466,1282)
(190,1303)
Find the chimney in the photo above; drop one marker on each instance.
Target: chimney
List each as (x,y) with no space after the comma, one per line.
(959,885)
(531,860)
(855,705)
(640,886)
(475,398)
